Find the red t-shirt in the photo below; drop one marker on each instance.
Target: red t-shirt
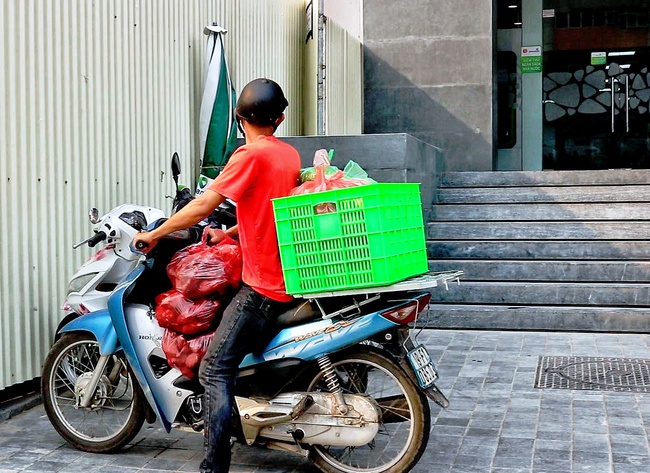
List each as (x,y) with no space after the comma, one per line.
(255,174)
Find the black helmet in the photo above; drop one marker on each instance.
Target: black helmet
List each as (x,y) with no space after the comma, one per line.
(261,102)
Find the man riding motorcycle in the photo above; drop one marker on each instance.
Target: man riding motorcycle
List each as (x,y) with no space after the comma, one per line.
(262,169)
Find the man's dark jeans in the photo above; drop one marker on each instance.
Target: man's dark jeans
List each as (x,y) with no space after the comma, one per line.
(247,326)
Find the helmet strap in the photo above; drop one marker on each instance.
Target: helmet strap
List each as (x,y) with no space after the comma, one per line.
(278,121)
(241,128)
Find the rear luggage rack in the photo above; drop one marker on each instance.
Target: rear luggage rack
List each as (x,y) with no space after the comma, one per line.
(426,281)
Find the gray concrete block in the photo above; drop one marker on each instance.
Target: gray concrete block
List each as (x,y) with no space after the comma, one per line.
(387,19)
(369,151)
(462,150)
(428,71)
(455,109)
(372,151)
(409,109)
(453,119)
(396,157)
(429,62)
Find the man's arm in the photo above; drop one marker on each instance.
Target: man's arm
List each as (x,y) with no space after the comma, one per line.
(192,213)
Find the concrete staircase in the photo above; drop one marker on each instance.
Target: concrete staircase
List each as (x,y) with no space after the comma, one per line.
(550,250)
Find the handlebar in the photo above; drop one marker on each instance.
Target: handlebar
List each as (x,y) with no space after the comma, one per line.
(141,245)
(189,234)
(93,240)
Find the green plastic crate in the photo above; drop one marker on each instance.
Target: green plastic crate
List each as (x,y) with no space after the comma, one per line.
(373,235)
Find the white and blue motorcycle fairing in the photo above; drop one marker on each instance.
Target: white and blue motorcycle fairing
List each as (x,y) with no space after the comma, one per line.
(133,329)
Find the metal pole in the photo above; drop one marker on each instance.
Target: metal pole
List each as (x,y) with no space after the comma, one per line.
(614,81)
(320,107)
(627,103)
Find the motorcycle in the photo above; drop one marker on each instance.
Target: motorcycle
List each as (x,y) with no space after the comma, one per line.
(343,382)
(92,284)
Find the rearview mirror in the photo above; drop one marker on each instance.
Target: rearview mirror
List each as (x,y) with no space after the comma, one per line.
(176,166)
(93,215)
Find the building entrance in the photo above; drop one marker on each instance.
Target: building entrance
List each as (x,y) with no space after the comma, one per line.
(596,84)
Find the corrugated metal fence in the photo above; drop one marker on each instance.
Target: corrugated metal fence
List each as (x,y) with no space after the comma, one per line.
(95,96)
(343,84)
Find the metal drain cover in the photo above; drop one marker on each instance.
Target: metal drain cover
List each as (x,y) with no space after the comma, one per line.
(593,373)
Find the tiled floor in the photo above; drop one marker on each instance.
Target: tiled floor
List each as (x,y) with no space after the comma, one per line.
(497,422)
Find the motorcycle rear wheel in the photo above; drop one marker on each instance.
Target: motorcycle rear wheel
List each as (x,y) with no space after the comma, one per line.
(117,409)
(405,416)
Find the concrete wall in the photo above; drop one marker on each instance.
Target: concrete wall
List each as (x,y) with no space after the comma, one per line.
(428,72)
(394,157)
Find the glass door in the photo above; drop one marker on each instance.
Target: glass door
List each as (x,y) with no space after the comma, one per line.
(596,84)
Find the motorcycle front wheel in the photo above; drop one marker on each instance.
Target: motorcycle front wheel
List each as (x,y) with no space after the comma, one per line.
(117,409)
(405,416)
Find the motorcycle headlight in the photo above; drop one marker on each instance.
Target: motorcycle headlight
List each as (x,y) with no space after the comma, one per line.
(135,219)
(77,284)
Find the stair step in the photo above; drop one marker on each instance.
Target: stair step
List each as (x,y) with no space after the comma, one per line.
(545,250)
(560,250)
(545,178)
(587,230)
(558,318)
(556,194)
(546,271)
(518,293)
(541,212)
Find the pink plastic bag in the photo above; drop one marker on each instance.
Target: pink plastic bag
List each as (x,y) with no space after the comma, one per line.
(323,181)
(201,270)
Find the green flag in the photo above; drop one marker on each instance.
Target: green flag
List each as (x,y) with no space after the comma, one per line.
(217,127)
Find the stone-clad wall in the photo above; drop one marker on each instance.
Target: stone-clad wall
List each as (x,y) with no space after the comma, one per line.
(428,72)
(394,157)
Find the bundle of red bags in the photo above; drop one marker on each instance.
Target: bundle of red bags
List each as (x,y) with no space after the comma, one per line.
(176,312)
(185,353)
(201,270)
(202,276)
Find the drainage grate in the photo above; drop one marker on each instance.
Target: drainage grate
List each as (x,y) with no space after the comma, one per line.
(593,373)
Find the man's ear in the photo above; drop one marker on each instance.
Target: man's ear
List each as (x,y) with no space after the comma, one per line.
(279,120)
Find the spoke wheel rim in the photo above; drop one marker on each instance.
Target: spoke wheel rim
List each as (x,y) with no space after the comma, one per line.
(386,434)
(115,403)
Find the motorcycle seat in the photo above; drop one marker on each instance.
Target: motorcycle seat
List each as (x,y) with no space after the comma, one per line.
(297,315)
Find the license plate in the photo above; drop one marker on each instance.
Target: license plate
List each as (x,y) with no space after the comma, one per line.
(423,366)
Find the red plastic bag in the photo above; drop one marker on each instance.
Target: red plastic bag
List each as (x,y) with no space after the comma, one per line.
(201,270)
(185,353)
(189,317)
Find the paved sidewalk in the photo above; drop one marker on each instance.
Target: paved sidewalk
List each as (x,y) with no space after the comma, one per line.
(498,422)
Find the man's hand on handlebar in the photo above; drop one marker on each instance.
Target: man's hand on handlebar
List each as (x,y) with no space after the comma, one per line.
(144,242)
(195,211)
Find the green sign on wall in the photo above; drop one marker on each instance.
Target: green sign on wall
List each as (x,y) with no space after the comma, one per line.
(531,59)
(599,58)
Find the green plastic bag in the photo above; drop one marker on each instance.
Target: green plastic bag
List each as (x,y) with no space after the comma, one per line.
(353,171)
